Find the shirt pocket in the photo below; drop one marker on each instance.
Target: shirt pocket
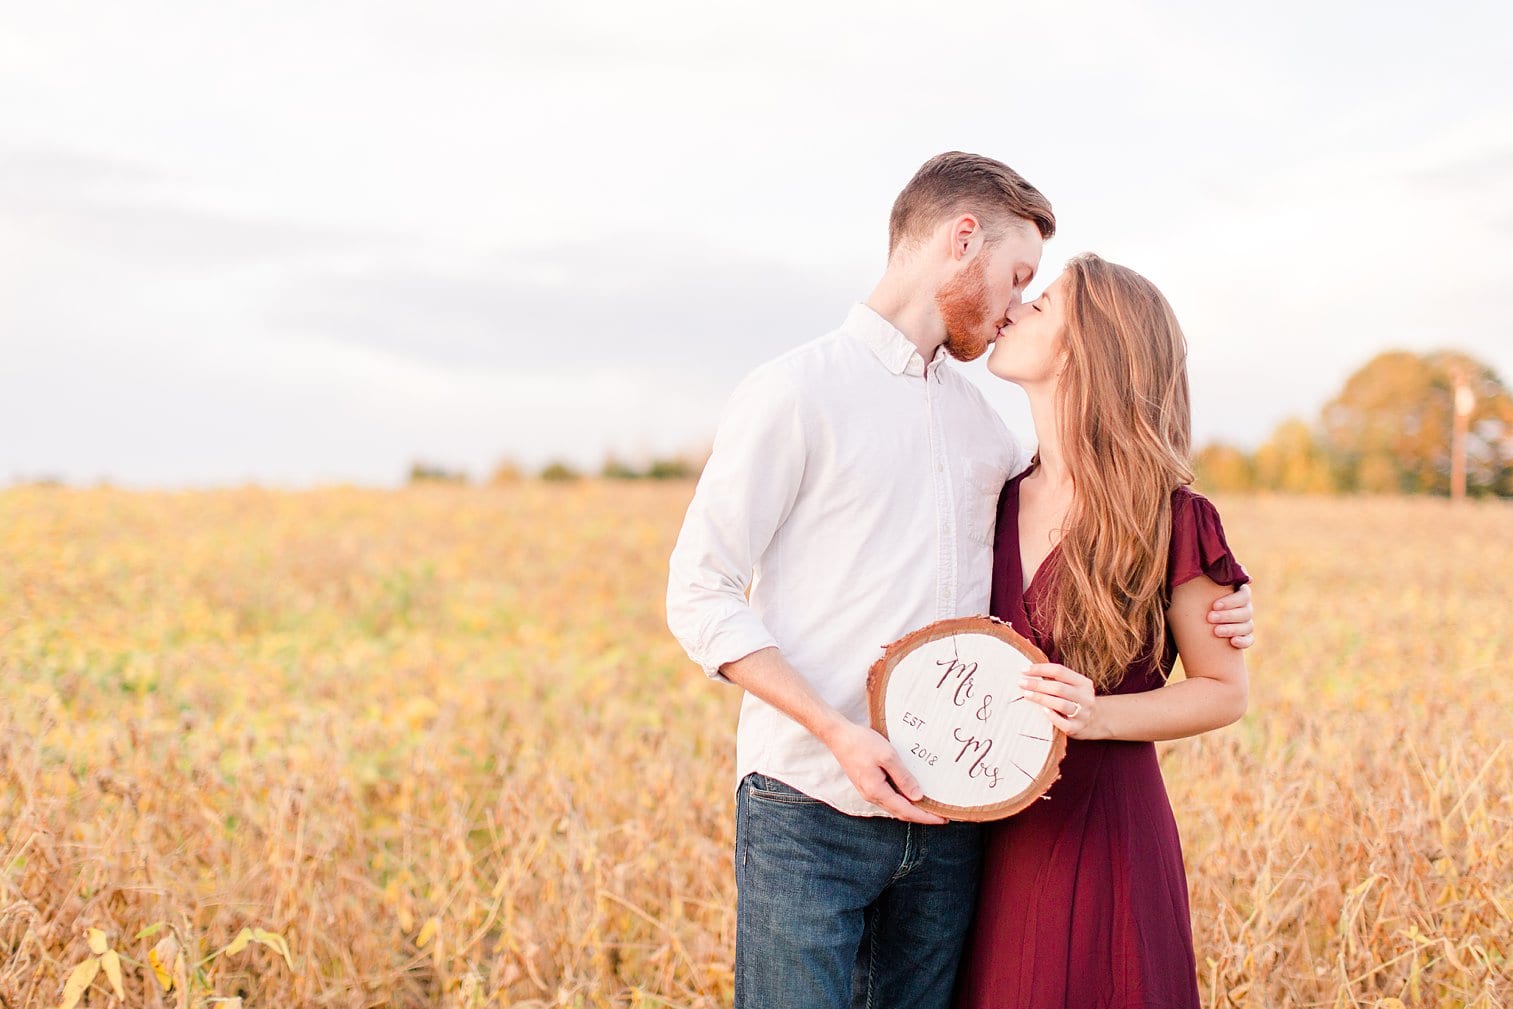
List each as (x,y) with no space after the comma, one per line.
(984,484)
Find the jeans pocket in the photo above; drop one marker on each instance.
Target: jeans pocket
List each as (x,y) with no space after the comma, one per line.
(772,790)
(740,831)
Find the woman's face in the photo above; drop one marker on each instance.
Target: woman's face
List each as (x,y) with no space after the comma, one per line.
(1028,348)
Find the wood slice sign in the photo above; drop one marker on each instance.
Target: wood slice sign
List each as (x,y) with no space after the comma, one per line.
(947,696)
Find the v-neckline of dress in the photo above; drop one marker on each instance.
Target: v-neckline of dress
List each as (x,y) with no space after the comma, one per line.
(1026,586)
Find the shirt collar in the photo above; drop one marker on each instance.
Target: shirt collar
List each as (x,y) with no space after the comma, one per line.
(892,347)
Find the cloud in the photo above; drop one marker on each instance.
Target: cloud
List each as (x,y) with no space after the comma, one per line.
(140,217)
(1486,169)
(623,301)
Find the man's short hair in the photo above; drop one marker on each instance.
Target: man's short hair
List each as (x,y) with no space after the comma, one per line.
(955,183)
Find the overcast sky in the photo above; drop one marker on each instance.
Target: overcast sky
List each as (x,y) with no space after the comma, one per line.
(309,242)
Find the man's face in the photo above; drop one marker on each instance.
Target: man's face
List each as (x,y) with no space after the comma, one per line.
(976,300)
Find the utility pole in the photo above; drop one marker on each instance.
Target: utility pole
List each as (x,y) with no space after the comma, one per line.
(1465,402)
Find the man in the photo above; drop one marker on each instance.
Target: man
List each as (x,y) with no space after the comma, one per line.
(853,488)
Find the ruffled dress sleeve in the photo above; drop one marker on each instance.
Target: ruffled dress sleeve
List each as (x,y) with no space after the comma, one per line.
(1198,544)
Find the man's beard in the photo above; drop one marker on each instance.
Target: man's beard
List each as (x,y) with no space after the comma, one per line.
(964,308)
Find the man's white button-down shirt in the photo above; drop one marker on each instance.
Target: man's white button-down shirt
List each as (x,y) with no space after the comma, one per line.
(853,491)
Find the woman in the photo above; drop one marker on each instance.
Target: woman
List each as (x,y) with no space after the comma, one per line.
(1109,563)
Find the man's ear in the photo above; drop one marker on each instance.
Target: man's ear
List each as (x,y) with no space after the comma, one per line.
(965,236)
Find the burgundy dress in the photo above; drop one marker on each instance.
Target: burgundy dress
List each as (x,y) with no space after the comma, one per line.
(1083,901)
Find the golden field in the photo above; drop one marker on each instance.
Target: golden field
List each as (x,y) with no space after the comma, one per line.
(439,742)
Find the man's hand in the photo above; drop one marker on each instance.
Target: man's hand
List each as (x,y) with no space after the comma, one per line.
(1234,619)
(867,757)
(869,760)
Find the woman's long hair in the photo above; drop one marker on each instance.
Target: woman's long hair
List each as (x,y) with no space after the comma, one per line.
(1122,406)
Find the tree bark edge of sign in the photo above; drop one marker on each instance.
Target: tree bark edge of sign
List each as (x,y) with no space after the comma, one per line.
(877,693)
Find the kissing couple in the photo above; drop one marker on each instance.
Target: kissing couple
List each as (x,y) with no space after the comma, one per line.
(859,488)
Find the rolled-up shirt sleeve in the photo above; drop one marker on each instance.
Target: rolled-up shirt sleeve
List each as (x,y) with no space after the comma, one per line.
(743,497)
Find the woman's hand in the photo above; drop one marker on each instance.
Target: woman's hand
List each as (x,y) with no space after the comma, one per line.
(1067,697)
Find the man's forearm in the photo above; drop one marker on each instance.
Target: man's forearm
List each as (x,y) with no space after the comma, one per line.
(869,760)
(768,675)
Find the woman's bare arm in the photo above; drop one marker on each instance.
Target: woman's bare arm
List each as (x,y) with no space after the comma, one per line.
(1214,694)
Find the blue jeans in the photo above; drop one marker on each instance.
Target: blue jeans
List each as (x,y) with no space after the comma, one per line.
(836,911)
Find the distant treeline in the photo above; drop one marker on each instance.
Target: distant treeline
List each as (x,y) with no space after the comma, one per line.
(683,467)
(1397,427)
